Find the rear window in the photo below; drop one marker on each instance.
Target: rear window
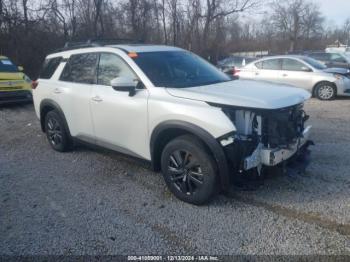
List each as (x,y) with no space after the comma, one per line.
(49,67)
(81,68)
(7,66)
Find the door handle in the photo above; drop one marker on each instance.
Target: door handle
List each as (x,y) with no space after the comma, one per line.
(57,91)
(256,73)
(97,99)
(284,75)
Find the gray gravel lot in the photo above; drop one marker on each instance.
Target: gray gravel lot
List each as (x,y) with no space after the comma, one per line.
(96,202)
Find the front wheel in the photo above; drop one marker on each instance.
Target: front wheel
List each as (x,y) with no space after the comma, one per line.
(325,91)
(189,170)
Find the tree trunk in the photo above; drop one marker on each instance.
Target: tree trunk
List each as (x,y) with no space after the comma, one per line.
(134,24)
(206,29)
(164,23)
(25,14)
(98,7)
(175,20)
(1,12)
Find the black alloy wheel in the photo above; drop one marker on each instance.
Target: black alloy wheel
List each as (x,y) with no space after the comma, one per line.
(56,132)
(185,172)
(189,170)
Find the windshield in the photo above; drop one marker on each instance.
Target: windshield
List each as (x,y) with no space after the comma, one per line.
(179,69)
(7,66)
(314,63)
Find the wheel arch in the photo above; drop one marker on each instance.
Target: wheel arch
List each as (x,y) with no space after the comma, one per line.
(166,131)
(48,105)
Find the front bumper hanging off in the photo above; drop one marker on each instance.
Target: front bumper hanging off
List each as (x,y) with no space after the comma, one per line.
(275,156)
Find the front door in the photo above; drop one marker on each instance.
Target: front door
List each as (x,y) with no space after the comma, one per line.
(120,121)
(296,73)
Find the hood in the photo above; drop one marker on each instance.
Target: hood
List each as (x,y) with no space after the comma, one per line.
(11,76)
(341,71)
(245,93)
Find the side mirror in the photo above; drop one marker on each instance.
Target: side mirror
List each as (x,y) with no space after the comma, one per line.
(125,84)
(20,68)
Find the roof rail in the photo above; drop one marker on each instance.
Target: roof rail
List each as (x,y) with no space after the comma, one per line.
(97,42)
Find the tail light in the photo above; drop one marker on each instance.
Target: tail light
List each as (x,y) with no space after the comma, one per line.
(35,83)
(236,72)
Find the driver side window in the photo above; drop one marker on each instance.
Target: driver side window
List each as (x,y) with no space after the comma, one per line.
(294,65)
(112,66)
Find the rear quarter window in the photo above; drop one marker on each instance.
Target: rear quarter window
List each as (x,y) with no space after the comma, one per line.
(259,65)
(49,67)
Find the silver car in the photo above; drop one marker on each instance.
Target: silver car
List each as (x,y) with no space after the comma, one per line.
(300,71)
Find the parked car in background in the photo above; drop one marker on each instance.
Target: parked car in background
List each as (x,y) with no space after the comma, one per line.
(300,71)
(232,64)
(332,59)
(15,86)
(340,49)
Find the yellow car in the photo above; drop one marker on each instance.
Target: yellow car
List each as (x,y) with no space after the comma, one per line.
(15,86)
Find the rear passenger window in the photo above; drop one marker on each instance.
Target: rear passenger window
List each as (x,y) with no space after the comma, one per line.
(271,64)
(80,68)
(49,67)
(112,66)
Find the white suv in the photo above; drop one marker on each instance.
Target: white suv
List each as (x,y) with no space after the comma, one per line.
(169,106)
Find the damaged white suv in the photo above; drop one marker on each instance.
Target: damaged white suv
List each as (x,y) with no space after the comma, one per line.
(168,106)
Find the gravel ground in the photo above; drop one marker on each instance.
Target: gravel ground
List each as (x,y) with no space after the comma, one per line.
(96,202)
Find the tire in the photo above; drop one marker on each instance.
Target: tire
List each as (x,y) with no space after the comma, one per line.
(325,91)
(189,170)
(56,132)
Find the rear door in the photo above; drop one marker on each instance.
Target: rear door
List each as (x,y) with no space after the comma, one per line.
(267,70)
(73,93)
(120,121)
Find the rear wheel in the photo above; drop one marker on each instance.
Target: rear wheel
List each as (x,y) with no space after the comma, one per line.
(325,91)
(56,132)
(189,170)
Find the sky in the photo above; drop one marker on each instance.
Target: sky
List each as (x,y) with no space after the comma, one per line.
(336,11)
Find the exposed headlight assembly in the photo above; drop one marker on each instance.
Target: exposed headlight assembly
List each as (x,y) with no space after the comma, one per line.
(227,140)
